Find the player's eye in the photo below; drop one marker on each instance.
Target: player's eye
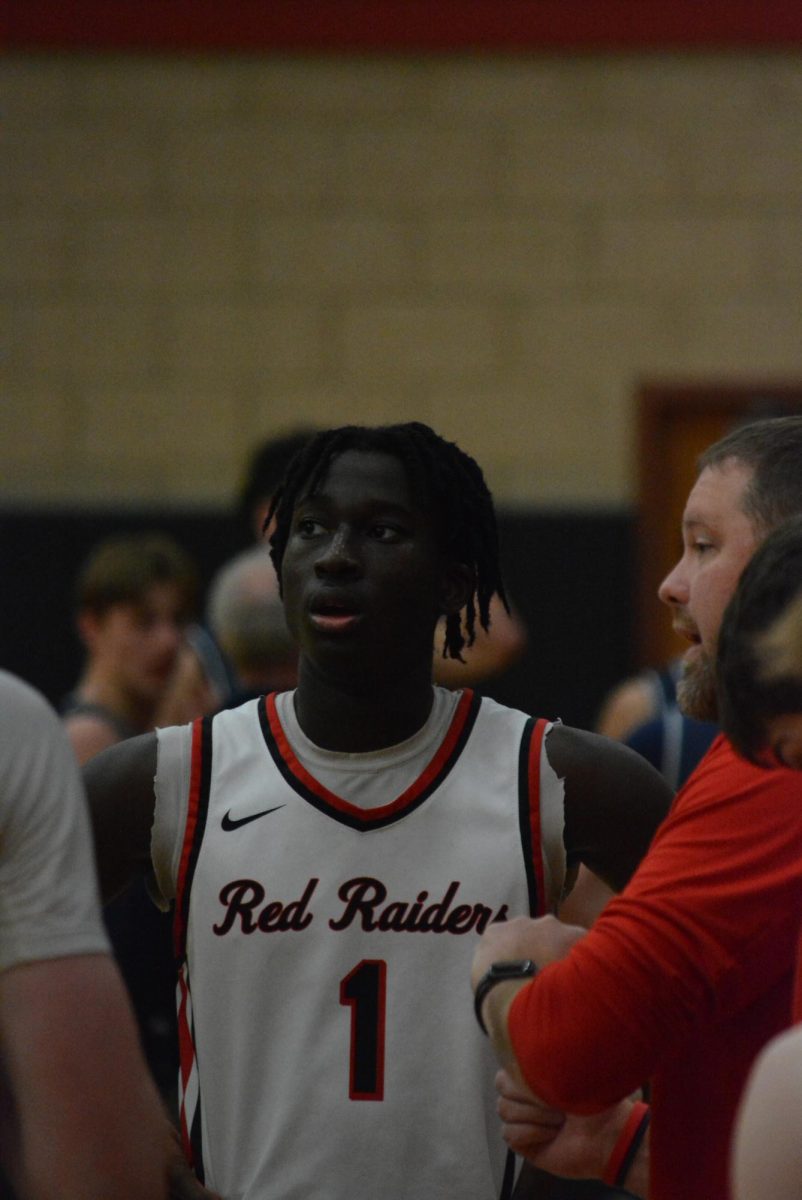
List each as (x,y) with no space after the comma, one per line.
(309,527)
(386,533)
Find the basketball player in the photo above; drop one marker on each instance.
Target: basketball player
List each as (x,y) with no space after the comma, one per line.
(335,851)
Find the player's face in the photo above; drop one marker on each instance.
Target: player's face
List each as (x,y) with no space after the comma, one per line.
(719,539)
(784,737)
(363,578)
(137,644)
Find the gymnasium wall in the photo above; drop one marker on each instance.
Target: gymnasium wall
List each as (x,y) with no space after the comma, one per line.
(200,249)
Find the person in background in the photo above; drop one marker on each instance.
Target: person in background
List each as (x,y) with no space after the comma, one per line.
(134,597)
(246,618)
(205,679)
(642,712)
(758,664)
(689,972)
(759,679)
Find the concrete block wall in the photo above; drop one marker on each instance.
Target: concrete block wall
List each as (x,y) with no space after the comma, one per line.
(196,252)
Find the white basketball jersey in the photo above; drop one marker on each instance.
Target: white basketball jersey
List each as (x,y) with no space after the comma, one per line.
(329,1049)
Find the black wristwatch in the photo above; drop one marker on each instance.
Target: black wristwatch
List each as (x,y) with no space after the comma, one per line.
(521,968)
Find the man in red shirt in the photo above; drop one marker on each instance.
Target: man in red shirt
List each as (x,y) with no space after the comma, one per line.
(689,972)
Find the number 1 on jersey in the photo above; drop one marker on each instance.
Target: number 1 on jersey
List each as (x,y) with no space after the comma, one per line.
(364,991)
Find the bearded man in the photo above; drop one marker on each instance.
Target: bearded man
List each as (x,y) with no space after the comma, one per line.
(689,972)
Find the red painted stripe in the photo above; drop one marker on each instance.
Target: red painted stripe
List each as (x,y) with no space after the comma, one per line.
(411,25)
(186,1055)
(535,745)
(179,925)
(435,767)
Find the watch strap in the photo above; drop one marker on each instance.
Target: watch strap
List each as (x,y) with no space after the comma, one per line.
(499,972)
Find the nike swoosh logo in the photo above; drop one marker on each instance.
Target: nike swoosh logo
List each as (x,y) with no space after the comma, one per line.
(228,822)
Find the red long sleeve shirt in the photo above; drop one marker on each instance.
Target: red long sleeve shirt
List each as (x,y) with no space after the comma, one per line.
(684,977)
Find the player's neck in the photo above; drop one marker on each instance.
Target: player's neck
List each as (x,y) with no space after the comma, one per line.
(98,688)
(357,720)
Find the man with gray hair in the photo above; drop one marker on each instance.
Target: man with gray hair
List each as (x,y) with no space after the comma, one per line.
(246,616)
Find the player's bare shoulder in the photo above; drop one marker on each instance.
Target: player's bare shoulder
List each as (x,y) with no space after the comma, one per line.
(614,801)
(120,789)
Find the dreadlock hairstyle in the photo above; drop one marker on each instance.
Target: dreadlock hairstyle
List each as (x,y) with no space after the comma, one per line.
(750,690)
(452,484)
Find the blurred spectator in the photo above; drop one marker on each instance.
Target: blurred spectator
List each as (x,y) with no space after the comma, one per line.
(642,712)
(246,616)
(134,596)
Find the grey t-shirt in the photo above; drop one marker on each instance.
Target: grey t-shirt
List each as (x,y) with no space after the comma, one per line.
(49,903)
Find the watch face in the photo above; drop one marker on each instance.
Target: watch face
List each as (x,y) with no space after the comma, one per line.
(517,969)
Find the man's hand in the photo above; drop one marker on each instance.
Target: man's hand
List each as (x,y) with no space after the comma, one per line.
(561,1144)
(544,940)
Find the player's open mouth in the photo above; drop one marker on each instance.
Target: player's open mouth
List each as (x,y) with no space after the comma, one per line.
(332,616)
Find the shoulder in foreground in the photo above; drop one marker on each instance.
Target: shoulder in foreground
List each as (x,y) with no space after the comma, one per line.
(22,699)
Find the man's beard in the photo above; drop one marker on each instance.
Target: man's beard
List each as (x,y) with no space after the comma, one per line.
(696,690)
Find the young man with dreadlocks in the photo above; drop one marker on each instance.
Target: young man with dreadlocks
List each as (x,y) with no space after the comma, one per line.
(335,852)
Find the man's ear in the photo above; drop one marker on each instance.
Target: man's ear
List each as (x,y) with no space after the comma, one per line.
(458,583)
(88,624)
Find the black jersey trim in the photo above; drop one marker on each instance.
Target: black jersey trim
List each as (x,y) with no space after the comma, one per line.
(509,1177)
(339,809)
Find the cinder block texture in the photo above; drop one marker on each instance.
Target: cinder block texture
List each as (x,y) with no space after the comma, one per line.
(197,252)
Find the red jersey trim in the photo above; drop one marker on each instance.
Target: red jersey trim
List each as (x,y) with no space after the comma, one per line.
(311,789)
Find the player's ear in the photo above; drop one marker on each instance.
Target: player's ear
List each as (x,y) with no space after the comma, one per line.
(458,583)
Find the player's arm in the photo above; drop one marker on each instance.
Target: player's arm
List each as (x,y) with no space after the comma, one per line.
(120,788)
(90,1122)
(614,802)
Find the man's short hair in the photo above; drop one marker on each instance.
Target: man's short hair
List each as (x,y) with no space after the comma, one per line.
(121,570)
(773,450)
